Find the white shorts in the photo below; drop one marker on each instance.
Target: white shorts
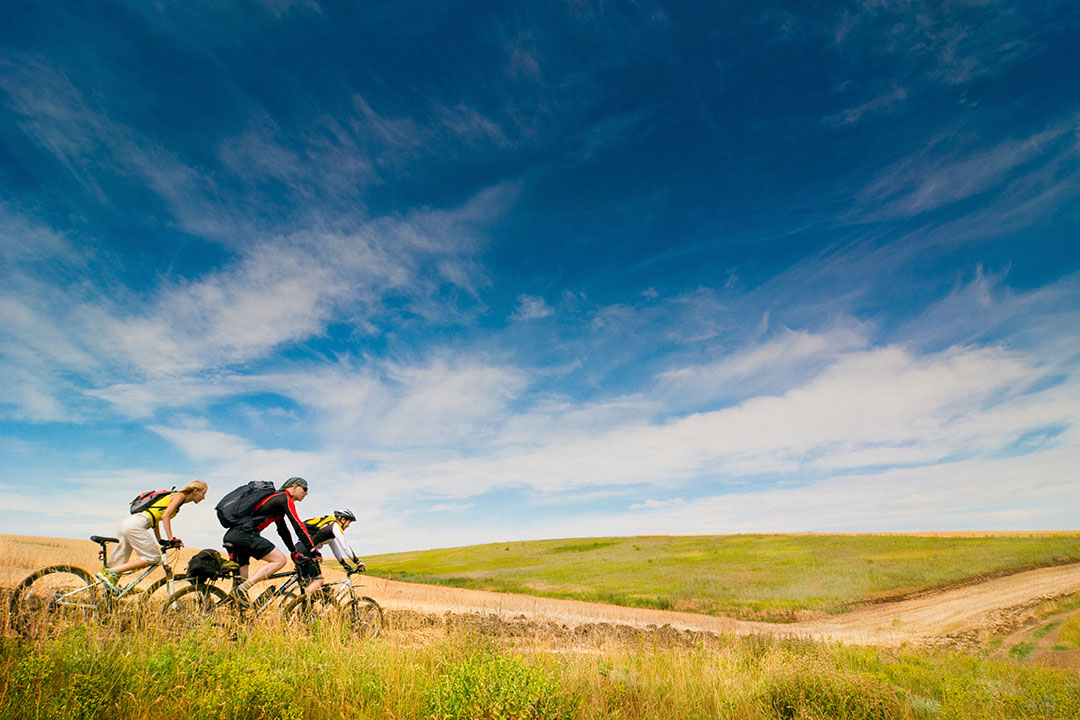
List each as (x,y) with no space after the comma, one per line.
(135,534)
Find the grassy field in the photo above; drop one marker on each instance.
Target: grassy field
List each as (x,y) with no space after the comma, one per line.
(771,577)
(458,671)
(491,668)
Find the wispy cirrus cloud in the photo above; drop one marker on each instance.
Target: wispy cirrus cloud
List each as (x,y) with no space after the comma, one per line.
(880,103)
(532,307)
(951,44)
(938,177)
(105,156)
(1000,494)
(875,407)
(276,292)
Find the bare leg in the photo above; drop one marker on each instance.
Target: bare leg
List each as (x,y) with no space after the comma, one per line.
(275,560)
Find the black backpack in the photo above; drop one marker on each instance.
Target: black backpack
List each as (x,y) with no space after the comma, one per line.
(143,501)
(208,565)
(236,506)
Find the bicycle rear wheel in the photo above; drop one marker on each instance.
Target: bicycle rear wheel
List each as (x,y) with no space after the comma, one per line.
(158,591)
(194,604)
(57,593)
(365,616)
(309,609)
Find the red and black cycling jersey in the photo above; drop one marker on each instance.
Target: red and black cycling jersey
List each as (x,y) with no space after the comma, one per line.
(275,509)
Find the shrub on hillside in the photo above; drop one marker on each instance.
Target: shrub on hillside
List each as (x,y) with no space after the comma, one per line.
(493,687)
(806,688)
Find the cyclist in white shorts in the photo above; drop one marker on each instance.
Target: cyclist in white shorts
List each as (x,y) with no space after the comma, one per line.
(135,533)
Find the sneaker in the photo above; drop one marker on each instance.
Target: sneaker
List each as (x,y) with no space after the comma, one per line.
(110,579)
(240,598)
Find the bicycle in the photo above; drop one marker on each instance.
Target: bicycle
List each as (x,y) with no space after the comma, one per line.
(70,592)
(206,600)
(363,613)
(202,599)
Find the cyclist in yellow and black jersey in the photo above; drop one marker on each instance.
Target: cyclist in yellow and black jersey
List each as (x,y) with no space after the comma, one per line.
(135,533)
(328,529)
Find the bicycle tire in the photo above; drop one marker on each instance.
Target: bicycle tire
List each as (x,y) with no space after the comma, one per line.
(58,592)
(158,592)
(309,608)
(271,594)
(365,616)
(194,603)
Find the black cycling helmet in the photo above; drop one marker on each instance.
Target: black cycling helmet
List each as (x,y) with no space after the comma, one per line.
(344,514)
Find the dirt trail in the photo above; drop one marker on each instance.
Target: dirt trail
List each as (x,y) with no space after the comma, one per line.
(947,615)
(998,604)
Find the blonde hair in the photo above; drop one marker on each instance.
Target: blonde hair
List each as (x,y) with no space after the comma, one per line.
(192,486)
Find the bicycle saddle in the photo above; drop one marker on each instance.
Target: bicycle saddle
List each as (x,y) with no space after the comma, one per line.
(103,540)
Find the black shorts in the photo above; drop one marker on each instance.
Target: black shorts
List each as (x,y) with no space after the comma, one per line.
(309,569)
(243,544)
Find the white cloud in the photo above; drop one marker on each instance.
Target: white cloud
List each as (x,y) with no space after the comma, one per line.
(531,307)
(940,176)
(452,507)
(882,103)
(868,408)
(468,126)
(443,402)
(1024,493)
(760,367)
(169,346)
(654,504)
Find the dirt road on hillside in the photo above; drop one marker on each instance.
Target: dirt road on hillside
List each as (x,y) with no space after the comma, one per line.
(935,617)
(953,615)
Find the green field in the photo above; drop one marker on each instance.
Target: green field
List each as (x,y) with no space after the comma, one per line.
(455,671)
(769,577)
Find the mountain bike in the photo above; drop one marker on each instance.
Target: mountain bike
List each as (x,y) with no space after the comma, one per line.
(60,592)
(205,602)
(362,613)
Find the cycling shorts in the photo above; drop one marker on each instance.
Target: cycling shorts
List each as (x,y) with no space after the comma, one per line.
(309,569)
(243,544)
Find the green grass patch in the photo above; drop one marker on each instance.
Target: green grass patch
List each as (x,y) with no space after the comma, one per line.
(1069,635)
(496,687)
(749,576)
(579,547)
(1045,629)
(272,674)
(1021,650)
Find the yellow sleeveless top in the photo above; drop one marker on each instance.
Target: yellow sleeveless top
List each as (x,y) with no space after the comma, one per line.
(157,510)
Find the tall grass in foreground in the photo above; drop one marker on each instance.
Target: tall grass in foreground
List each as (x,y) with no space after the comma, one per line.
(455,671)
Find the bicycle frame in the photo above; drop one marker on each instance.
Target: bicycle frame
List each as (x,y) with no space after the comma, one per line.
(266,598)
(273,592)
(346,589)
(131,588)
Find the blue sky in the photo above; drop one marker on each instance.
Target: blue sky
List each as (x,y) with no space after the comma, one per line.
(533,270)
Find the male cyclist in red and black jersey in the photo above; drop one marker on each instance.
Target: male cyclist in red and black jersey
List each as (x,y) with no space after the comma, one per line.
(244,541)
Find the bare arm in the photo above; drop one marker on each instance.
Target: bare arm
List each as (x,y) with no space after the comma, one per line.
(166,517)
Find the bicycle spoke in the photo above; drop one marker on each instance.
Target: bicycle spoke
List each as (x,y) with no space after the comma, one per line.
(366,617)
(55,594)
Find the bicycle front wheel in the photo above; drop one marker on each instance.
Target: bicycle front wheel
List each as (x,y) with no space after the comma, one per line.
(57,593)
(366,617)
